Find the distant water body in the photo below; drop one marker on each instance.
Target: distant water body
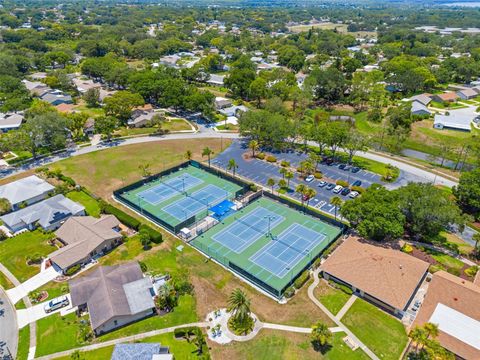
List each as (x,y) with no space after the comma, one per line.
(464,4)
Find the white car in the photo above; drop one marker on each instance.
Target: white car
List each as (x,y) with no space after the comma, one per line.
(337,189)
(56,304)
(309,178)
(354,194)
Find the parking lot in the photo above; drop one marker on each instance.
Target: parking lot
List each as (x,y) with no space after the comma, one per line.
(260,171)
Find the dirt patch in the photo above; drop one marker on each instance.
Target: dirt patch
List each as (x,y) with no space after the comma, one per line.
(247,156)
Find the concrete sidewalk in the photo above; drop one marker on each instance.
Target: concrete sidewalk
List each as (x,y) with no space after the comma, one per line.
(31,284)
(345,307)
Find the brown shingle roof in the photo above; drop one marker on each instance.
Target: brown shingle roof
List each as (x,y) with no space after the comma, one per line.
(83,234)
(458,294)
(448,96)
(380,271)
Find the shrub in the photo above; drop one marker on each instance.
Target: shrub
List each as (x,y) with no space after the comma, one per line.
(289,292)
(407,248)
(143,266)
(155,236)
(123,217)
(454,271)
(285,163)
(471,271)
(271,158)
(435,268)
(302,279)
(260,156)
(318,175)
(253,187)
(72,270)
(316,263)
(340,287)
(343,183)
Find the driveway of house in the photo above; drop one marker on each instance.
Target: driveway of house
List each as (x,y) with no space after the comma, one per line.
(31,284)
(37,312)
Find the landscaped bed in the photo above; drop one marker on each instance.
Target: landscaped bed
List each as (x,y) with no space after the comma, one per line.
(380,332)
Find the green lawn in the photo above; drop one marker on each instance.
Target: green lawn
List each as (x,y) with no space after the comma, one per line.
(50,339)
(382,333)
(447,261)
(171,125)
(91,205)
(23,343)
(268,345)
(54,289)
(4,282)
(14,252)
(181,349)
(333,299)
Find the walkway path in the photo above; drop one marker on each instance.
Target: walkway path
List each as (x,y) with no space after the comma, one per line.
(33,325)
(334,319)
(345,307)
(22,290)
(131,338)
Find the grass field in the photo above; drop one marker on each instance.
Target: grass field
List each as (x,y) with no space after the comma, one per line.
(181,349)
(23,343)
(201,180)
(333,299)
(287,218)
(91,205)
(269,345)
(14,252)
(172,125)
(104,171)
(4,282)
(380,332)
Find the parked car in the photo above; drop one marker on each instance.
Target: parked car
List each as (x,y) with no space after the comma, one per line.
(357,183)
(355,169)
(329,161)
(337,189)
(322,183)
(354,194)
(56,304)
(345,191)
(309,178)
(342,166)
(330,186)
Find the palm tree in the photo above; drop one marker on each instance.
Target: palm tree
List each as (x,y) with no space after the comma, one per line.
(289,176)
(282,183)
(239,306)
(314,159)
(253,145)
(431,330)
(310,194)
(188,155)
(232,165)
(145,170)
(418,336)
(271,183)
(207,152)
(301,188)
(476,238)
(307,167)
(321,334)
(283,171)
(198,340)
(337,202)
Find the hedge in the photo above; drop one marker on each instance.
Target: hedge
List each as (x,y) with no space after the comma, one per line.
(72,270)
(260,156)
(285,163)
(342,183)
(358,189)
(155,236)
(289,292)
(271,158)
(122,216)
(302,279)
(318,175)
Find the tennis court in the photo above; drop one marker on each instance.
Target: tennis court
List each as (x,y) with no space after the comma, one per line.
(179,196)
(268,243)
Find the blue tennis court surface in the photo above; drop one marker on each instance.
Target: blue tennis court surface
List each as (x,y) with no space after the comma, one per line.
(163,190)
(194,203)
(287,249)
(246,230)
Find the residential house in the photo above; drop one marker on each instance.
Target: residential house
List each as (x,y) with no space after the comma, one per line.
(453,120)
(141,116)
(26,191)
(85,237)
(139,351)
(467,94)
(419,109)
(384,276)
(113,295)
(170,60)
(65,108)
(233,110)
(56,97)
(35,87)
(10,122)
(452,303)
(49,214)
(222,103)
(84,85)
(89,127)
(424,99)
(216,80)
(445,97)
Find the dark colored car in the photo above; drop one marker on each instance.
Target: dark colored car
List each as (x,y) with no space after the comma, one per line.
(330,186)
(357,183)
(345,192)
(355,169)
(329,161)
(342,166)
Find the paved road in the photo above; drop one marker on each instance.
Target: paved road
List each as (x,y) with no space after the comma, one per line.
(8,326)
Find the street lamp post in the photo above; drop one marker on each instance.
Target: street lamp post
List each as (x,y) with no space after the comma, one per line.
(269,218)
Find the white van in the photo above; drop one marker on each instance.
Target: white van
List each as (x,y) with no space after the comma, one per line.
(56,304)
(337,189)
